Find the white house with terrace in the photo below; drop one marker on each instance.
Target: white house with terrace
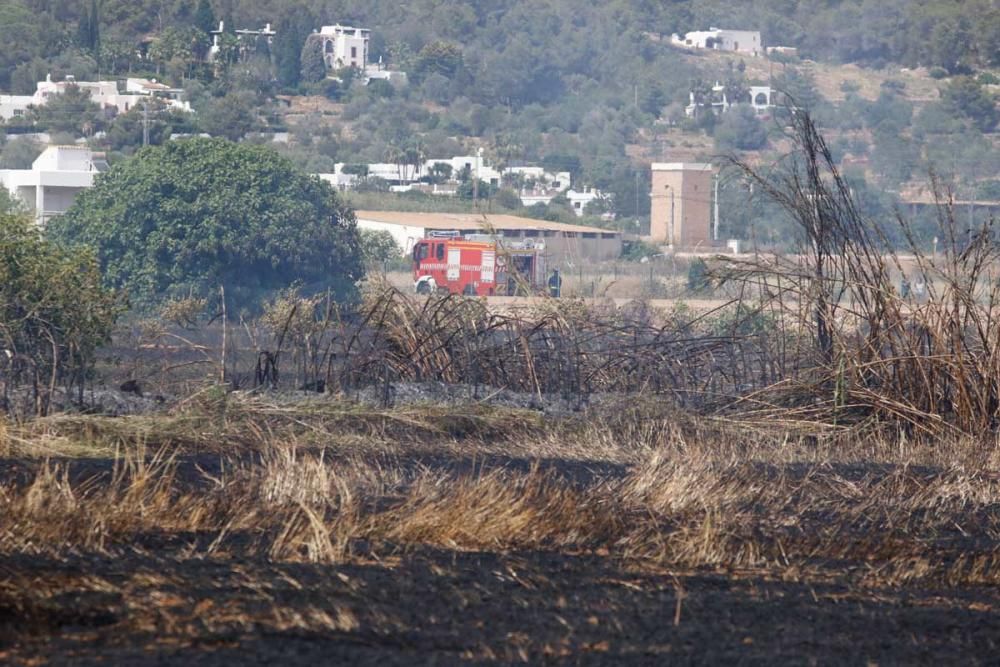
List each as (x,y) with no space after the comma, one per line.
(104,93)
(56,177)
(344,46)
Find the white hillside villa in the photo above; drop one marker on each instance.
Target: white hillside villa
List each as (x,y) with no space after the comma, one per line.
(344,46)
(55,178)
(247,39)
(761,98)
(104,93)
(739,41)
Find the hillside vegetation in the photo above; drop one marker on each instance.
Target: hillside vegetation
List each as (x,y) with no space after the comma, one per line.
(902,88)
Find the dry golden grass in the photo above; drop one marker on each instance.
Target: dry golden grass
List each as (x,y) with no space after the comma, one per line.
(679,493)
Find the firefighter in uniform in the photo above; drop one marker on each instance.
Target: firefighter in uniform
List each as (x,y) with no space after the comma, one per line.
(555,284)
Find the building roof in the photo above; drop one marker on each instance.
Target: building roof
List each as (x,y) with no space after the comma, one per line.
(473,221)
(681,166)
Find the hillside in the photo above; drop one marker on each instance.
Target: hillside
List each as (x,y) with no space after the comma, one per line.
(901,88)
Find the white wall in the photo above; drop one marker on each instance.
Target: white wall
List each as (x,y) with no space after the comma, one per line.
(14,105)
(53,182)
(742,41)
(406,235)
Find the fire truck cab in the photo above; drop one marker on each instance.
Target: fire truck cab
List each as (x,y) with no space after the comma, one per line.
(479,265)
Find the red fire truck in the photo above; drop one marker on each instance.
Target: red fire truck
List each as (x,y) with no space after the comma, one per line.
(478,265)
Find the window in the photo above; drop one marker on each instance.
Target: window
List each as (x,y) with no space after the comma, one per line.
(420,252)
(439,251)
(354,52)
(576,205)
(328,47)
(531,232)
(18,112)
(590,235)
(557,185)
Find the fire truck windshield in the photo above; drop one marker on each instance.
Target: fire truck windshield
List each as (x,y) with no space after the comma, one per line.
(420,251)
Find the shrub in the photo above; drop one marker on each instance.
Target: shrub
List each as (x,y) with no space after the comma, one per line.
(54,313)
(937,72)
(698,279)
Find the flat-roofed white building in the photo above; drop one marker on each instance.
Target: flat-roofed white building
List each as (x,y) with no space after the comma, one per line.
(56,177)
(739,41)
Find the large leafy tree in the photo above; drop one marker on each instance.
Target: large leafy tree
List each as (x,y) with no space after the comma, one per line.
(194,215)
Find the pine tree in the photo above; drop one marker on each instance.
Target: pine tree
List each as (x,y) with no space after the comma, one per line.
(83,30)
(293,29)
(204,17)
(95,27)
(313,66)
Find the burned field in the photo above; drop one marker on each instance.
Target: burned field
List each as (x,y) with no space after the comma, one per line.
(237,530)
(808,474)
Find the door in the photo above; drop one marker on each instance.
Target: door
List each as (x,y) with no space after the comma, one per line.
(489,262)
(454,264)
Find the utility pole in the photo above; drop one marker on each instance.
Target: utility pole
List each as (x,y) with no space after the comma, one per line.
(715,228)
(671,219)
(475,179)
(636,194)
(145,122)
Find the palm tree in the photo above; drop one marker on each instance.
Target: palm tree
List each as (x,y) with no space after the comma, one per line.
(395,155)
(503,150)
(414,156)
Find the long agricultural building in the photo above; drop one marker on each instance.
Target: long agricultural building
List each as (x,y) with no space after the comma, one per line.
(564,243)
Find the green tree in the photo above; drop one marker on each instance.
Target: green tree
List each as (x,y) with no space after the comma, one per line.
(740,129)
(53,309)
(950,45)
(293,29)
(71,111)
(83,30)
(194,215)
(126,131)
(378,247)
(204,17)
(95,27)
(9,204)
(439,57)
(967,98)
(313,64)
(232,116)
(181,48)
(20,153)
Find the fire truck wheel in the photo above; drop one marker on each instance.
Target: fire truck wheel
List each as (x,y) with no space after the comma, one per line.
(423,288)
